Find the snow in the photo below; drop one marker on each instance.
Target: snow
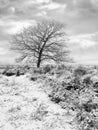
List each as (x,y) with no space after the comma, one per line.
(24,105)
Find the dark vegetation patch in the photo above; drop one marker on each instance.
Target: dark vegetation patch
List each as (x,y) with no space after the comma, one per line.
(15,70)
(75,89)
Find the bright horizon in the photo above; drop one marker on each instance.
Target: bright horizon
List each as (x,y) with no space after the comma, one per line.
(80,16)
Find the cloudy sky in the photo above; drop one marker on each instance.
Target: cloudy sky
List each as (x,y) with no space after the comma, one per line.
(80,16)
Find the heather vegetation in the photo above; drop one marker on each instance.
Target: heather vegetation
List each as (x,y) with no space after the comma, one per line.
(73,88)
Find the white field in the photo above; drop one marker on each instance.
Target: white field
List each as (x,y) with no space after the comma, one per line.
(24,105)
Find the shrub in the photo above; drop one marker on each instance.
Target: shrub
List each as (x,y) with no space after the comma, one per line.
(95,85)
(87,80)
(75,92)
(61,67)
(80,71)
(8,73)
(87,117)
(47,68)
(37,70)
(34,78)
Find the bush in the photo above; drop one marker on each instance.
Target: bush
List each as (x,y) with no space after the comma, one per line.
(8,73)
(34,77)
(47,69)
(87,80)
(61,67)
(76,92)
(37,71)
(87,117)
(95,85)
(80,71)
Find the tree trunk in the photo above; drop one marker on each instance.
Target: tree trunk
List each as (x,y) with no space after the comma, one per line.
(38,64)
(40,55)
(39,61)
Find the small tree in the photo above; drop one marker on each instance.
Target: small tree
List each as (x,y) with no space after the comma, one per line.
(45,41)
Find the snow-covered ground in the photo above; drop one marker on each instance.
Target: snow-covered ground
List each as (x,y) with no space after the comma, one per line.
(24,105)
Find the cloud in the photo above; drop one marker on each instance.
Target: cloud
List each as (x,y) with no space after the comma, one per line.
(87,5)
(83,41)
(4,3)
(27,9)
(81,17)
(16,26)
(42,1)
(17,14)
(52,5)
(14,7)
(84,48)
(42,13)
(3,51)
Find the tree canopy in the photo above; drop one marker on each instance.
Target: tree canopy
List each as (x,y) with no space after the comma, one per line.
(46,41)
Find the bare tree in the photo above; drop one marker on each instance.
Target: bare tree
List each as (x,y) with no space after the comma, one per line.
(45,41)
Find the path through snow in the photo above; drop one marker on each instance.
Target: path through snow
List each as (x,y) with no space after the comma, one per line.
(25,106)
